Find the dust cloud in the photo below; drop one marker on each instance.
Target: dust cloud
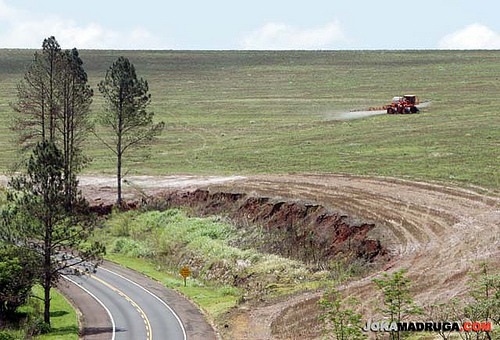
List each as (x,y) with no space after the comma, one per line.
(343,116)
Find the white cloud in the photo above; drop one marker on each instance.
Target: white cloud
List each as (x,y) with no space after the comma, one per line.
(21,29)
(6,11)
(475,36)
(279,36)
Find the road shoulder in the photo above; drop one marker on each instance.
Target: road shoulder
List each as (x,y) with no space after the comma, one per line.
(94,321)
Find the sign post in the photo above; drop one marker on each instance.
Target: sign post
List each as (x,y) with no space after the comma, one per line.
(185,272)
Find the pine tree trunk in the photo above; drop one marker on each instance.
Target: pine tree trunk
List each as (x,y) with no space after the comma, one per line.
(47,265)
(119,176)
(119,151)
(46,299)
(47,277)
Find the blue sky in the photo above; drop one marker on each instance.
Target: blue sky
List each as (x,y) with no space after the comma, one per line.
(256,24)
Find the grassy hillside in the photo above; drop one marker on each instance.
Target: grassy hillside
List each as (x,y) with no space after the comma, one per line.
(257,112)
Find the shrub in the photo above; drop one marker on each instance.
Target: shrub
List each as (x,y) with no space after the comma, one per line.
(120,224)
(205,245)
(8,335)
(19,270)
(131,248)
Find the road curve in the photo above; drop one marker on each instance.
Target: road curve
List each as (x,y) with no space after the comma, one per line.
(139,308)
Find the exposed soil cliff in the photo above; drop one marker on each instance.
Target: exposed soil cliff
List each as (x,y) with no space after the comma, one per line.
(304,231)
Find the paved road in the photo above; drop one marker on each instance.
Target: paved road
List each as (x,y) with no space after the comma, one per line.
(136,307)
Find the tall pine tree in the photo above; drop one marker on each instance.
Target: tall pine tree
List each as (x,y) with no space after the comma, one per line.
(126,123)
(53,104)
(38,218)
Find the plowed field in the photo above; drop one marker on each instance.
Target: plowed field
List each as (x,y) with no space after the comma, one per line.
(438,233)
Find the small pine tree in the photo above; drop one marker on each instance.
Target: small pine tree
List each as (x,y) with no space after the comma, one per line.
(341,322)
(398,302)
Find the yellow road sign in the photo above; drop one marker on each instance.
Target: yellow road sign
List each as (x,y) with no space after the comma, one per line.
(185,272)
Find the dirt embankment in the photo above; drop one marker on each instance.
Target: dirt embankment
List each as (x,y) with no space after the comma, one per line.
(439,233)
(308,232)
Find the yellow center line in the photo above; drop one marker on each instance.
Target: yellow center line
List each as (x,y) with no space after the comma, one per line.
(149,331)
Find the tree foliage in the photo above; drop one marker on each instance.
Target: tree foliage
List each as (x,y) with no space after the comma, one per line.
(340,320)
(126,121)
(19,271)
(37,96)
(485,291)
(73,119)
(483,304)
(36,218)
(53,104)
(397,300)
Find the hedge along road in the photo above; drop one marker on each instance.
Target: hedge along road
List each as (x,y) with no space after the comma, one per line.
(137,308)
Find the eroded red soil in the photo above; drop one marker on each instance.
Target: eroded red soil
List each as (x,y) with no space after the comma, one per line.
(295,229)
(438,233)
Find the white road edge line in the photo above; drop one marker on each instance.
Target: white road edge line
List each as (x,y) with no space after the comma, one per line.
(153,295)
(99,301)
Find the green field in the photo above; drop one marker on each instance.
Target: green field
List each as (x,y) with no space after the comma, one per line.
(271,112)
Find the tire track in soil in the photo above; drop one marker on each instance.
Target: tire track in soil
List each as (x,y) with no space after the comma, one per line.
(410,226)
(437,232)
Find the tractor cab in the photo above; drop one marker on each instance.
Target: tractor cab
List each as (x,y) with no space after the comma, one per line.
(410,99)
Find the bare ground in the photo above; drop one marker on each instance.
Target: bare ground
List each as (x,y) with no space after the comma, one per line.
(439,233)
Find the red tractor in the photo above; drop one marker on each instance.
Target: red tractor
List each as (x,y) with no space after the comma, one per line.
(404,104)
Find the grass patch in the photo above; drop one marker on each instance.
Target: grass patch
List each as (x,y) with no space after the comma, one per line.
(221,106)
(214,300)
(158,244)
(64,321)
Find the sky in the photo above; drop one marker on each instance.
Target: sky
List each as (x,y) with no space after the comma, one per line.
(252,25)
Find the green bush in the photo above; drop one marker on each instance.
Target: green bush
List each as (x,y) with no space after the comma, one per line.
(19,271)
(120,224)
(10,335)
(174,239)
(131,247)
